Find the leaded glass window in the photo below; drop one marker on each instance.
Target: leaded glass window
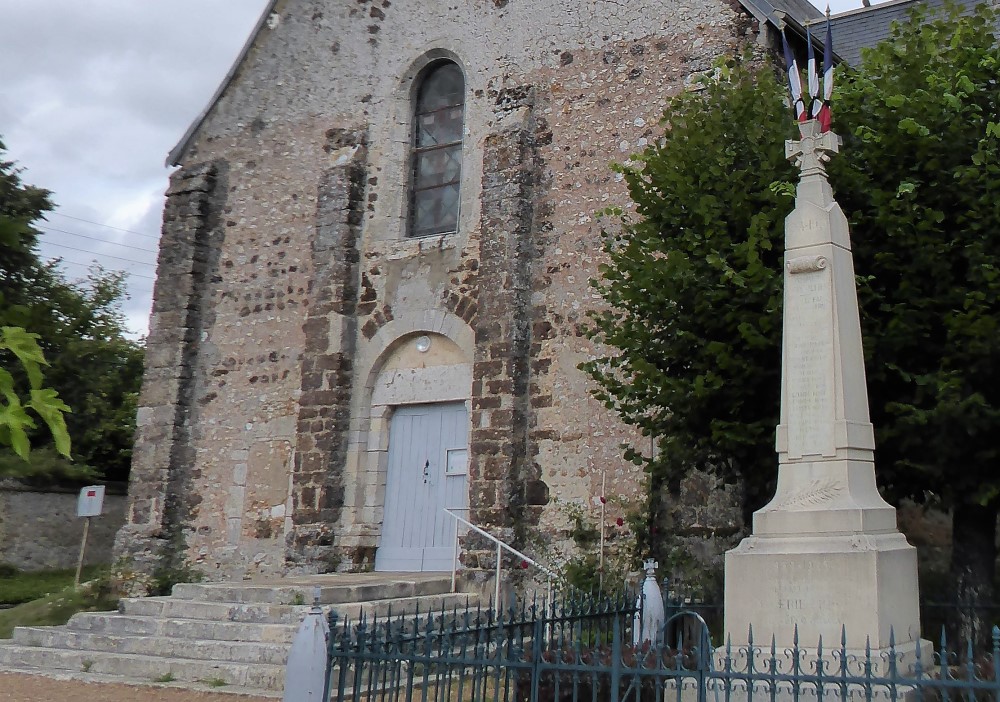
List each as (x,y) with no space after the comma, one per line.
(437,151)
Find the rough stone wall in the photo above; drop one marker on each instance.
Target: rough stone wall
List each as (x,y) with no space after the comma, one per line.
(316,282)
(163,487)
(39,529)
(252,355)
(506,493)
(601,105)
(330,327)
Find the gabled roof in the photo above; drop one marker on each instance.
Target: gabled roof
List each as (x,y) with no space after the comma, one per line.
(177,153)
(795,12)
(867,26)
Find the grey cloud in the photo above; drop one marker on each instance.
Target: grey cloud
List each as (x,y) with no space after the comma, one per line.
(92,97)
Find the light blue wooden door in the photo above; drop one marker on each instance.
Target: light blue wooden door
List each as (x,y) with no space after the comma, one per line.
(428,452)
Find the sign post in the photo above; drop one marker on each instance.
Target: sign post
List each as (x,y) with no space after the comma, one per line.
(89,504)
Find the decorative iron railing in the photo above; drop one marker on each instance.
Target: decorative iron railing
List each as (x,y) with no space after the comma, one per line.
(582,650)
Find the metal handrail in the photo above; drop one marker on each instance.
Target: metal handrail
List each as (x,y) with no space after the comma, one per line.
(501,545)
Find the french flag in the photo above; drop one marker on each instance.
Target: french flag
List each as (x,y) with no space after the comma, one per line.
(812,76)
(824,116)
(794,80)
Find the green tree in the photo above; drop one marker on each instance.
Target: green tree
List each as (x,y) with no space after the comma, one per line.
(693,281)
(15,420)
(693,299)
(80,330)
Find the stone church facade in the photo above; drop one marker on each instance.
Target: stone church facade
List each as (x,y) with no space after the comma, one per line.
(374,278)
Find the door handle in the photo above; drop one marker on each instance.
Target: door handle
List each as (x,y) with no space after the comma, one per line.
(427,470)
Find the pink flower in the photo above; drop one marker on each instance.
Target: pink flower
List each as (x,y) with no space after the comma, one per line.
(524,565)
(620,521)
(604,500)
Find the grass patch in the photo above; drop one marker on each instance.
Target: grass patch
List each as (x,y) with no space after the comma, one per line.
(58,607)
(165,678)
(215,682)
(17,587)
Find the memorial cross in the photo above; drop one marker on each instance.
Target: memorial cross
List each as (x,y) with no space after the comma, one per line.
(812,150)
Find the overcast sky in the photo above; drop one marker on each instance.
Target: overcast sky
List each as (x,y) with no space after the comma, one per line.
(93,94)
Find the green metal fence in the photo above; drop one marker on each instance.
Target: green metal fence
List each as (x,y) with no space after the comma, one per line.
(588,650)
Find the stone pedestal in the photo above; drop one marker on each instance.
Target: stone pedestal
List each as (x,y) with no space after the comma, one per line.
(825,555)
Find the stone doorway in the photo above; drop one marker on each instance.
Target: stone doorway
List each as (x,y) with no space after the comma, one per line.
(427,472)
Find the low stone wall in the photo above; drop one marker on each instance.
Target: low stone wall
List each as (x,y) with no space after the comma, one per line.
(39,528)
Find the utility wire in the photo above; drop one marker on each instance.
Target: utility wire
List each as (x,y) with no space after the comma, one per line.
(101,255)
(130,274)
(97,238)
(108,226)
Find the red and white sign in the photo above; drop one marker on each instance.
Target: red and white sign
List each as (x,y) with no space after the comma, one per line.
(91,501)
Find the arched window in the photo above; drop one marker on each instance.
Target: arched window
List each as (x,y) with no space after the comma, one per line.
(437,150)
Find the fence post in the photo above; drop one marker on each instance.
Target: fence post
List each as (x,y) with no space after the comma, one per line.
(331,646)
(496,590)
(536,659)
(616,659)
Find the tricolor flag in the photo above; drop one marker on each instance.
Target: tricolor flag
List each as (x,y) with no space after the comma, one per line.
(794,80)
(812,76)
(824,115)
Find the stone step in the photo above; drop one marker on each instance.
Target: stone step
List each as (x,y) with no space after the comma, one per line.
(153,668)
(160,646)
(116,624)
(173,608)
(168,607)
(236,634)
(332,590)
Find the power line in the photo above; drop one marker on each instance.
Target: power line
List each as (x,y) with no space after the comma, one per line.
(68,262)
(100,255)
(108,226)
(97,238)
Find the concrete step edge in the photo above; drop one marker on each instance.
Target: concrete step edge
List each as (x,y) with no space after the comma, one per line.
(73,676)
(330,592)
(179,668)
(236,652)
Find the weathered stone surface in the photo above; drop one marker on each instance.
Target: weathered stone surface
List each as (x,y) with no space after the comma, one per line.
(274,372)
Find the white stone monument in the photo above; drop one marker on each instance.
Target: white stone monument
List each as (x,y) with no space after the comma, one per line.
(825,552)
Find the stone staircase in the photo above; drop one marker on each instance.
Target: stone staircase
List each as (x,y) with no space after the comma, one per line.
(230,636)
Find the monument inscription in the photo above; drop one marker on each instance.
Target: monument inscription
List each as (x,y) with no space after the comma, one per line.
(809,362)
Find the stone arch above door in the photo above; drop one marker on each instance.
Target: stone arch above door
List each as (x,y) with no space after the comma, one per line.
(399,374)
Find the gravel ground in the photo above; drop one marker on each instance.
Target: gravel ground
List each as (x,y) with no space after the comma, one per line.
(35,688)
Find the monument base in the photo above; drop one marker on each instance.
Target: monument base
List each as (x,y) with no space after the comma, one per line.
(862,586)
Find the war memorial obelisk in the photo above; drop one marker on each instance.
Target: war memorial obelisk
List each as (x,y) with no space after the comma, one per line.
(825,554)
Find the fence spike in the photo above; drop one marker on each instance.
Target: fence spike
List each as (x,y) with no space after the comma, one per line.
(970,666)
(892,652)
(918,666)
(996,654)
(819,656)
(773,660)
(868,656)
(843,654)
